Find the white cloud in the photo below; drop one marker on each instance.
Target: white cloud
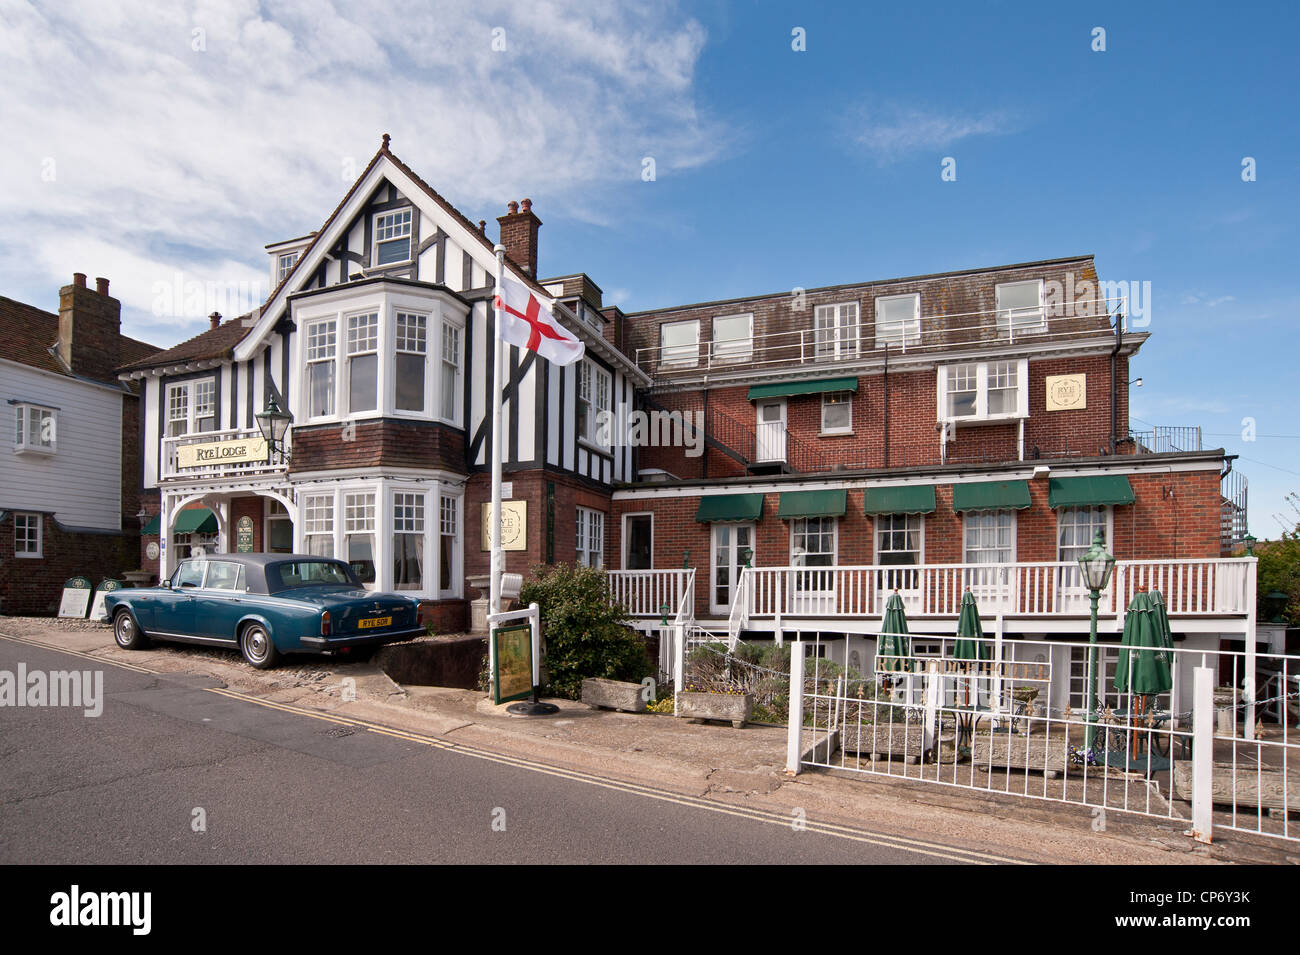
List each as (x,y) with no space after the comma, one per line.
(890,132)
(166,157)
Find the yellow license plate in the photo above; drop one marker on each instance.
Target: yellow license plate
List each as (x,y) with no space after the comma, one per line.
(373,622)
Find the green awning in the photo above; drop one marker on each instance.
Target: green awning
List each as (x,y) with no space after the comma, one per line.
(990,496)
(195,520)
(784,388)
(912,499)
(730,507)
(1089,491)
(811,504)
(152,527)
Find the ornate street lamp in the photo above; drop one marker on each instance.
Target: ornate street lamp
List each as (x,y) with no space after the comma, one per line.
(1095,566)
(273,423)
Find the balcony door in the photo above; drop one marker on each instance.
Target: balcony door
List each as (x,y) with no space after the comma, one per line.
(770,446)
(730,541)
(1075,529)
(813,546)
(990,544)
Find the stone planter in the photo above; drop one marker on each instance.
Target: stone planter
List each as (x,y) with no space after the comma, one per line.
(736,708)
(613,695)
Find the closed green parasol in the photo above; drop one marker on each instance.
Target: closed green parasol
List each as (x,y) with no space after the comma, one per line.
(892,648)
(970,643)
(1143,665)
(1162,617)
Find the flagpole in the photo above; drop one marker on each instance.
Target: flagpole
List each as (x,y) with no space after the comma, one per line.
(497,554)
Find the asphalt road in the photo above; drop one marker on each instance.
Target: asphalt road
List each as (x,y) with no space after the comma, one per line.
(282,787)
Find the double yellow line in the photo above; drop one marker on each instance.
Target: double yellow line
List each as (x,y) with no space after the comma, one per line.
(765,816)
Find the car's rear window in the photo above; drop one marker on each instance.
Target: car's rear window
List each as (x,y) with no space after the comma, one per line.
(307,573)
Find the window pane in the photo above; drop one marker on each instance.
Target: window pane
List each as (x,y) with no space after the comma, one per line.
(639,535)
(361,555)
(363,382)
(410,382)
(732,340)
(408,569)
(679,343)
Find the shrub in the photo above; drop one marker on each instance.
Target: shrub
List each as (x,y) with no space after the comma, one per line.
(583,630)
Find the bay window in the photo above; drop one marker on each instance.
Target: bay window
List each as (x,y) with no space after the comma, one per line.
(450,380)
(34,428)
(898,320)
(408,541)
(448,546)
(359,534)
(591,538)
(363,362)
(321,345)
(986,390)
(410,360)
(835,330)
(318,524)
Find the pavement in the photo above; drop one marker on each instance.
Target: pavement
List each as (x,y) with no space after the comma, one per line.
(732,771)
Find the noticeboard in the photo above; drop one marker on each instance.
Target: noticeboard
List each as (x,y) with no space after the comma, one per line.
(513,652)
(105,588)
(76,597)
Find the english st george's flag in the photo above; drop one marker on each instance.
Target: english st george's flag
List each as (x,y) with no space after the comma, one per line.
(527,323)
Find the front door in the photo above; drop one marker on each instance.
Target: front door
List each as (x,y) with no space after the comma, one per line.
(770,445)
(730,542)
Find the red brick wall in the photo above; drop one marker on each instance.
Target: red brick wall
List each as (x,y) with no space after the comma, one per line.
(34,586)
(446,616)
(251,507)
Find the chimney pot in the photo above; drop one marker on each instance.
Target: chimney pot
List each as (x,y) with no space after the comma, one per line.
(79,279)
(214,319)
(482,226)
(527,205)
(101,285)
(512,207)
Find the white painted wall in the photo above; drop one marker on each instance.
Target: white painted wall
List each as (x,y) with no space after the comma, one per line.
(81,483)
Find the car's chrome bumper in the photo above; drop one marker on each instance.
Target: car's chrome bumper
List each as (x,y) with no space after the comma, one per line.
(328,644)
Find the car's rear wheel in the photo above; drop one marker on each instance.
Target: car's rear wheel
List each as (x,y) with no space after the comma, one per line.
(256,646)
(125,632)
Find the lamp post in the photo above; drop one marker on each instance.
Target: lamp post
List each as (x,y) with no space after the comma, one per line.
(1095,566)
(273,423)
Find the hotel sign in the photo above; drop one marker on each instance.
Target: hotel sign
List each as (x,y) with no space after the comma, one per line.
(514,526)
(241,451)
(1067,392)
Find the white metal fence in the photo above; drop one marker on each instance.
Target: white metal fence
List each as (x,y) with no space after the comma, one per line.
(1002,725)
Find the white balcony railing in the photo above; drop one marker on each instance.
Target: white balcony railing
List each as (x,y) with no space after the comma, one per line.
(651,593)
(169,464)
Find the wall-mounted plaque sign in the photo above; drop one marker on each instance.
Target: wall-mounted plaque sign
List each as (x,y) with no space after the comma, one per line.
(1067,392)
(514,526)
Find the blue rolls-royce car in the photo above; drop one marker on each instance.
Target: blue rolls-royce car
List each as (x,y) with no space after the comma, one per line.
(267,605)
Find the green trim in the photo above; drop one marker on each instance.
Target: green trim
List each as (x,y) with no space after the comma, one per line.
(796,504)
(153,527)
(990,496)
(195,520)
(787,388)
(908,499)
(730,507)
(1092,491)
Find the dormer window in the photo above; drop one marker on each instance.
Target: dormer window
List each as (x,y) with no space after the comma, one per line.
(284,265)
(1020,307)
(898,320)
(34,428)
(191,407)
(392,237)
(835,329)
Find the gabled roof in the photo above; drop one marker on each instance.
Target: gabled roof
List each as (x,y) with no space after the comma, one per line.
(215,344)
(33,332)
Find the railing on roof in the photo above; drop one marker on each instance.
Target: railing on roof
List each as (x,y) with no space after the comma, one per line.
(837,343)
(1163,439)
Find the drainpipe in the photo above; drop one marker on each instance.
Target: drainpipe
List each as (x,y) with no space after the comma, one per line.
(1114,383)
(885,380)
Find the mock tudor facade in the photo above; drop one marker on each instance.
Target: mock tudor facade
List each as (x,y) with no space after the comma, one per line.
(70,484)
(921,435)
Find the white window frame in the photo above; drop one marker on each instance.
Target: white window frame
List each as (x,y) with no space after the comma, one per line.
(905,332)
(405,216)
(455,366)
(361,518)
(978,517)
(192,417)
(836,399)
(837,330)
(284,263)
(27,517)
(733,350)
(413,525)
(1025,319)
(24,411)
(626,537)
(593,384)
(984,372)
(590,538)
(897,575)
(414,340)
(332,412)
(456,572)
(1108,528)
(736,527)
(319,523)
(274,511)
(374,348)
(676,356)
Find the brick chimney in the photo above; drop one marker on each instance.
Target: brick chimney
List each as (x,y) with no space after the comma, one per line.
(90,329)
(519,235)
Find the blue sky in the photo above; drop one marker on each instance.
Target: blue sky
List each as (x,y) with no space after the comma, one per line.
(774,168)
